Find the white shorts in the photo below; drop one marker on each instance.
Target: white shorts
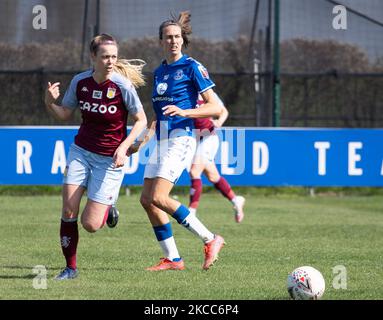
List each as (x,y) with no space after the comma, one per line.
(94,172)
(207,147)
(170,158)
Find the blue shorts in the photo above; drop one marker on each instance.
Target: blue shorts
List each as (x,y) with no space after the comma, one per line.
(94,172)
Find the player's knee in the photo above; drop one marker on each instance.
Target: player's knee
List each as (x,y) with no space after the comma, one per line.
(213,178)
(160,200)
(145,201)
(194,174)
(89,226)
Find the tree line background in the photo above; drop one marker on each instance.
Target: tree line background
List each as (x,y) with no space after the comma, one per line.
(324,83)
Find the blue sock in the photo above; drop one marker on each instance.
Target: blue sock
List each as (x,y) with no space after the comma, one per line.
(181,213)
(165,238)
(163,232)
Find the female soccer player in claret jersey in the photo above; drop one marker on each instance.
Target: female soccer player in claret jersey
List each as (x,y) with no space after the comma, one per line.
(105,96)
(203,162)
(177,82)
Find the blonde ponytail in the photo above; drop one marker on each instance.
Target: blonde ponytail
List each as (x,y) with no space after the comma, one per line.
(131,69)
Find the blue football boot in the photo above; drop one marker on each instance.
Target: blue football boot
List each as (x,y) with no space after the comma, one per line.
(67,273)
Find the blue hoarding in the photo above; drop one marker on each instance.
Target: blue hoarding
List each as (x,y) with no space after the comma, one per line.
(246,157)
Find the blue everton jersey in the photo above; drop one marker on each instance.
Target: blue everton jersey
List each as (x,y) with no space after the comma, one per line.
(178,84)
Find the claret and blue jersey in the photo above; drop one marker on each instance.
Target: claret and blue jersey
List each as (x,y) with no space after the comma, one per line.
(104,109)
(179,84)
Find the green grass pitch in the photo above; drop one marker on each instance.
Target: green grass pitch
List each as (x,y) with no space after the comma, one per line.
(278,234)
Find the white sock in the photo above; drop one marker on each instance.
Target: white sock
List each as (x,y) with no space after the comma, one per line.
(169,248)
(234,200)
(193,224)
(193,211)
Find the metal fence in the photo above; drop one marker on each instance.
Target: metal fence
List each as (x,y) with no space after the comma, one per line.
(328,77)
(315,100)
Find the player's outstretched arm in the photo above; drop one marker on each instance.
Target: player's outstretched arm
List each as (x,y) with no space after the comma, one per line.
(148,134)
(51,94)
(140,123)
(218,123)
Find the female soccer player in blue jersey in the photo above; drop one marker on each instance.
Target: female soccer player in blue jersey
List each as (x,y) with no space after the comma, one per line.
(177,82)
(105,95)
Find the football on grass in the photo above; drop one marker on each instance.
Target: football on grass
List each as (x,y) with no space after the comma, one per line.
(305,283)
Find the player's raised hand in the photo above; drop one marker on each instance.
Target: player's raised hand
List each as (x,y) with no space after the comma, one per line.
(52,92)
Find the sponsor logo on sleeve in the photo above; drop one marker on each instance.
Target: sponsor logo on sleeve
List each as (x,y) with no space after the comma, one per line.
(203,71)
